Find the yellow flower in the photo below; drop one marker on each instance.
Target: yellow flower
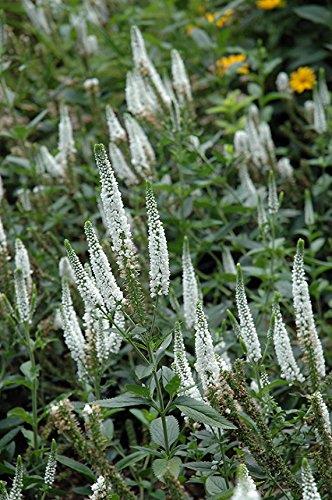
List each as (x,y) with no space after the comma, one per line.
(225,63)
(269,4)
(302,79)
(220,21)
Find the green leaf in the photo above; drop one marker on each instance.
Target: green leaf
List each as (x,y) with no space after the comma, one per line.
(131,459)
(22,414)
(157,431)
(162,467)
(173,385)
(201,412)
(215,485)
(138,390)
(107,429)
(7,438)
(77,466)
(121,401)
(316,14)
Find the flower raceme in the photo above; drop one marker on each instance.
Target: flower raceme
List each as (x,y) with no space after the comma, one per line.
(189,284)
(245,487)
(159,260)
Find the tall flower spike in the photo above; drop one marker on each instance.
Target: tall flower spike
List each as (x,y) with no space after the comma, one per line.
(133,99)
(320,124)
(50,470)
(72,332)
(228,261)
(22,262)
(323,90)
(267,141)
(22,296)
(102,271)
(120,166)
(248,329)
(309,487)
(189,284)
(321,409)
(289,368)
(241,144)
(136,130)
(66,144)
(50,164)
(285,168)
(86,287)
(116,132)
(182,368)
(245,487)
(273,202)
(180,78)
(141,59)
(139,158)
(159,260)
(17,486)
(115,215)
(206,365)
(304,318)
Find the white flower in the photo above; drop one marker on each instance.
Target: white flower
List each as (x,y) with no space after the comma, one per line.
(37,16)
(114,214)
(182,368)
(159,261)
(22,296)
(282,82)
(241,144)
(140,97)
(267,141)
(180,78)
(88,290)
(72,332)
(17,486)
(248,329)
(228,261)
(51,165)
(141,59)
(324,412)
(289,368)
(22,262)
(320,124)
(3,239)
(120,166)
(245,488)
(206,365)
(323,90)
(309,108)
(66,144)
(116,132)
(285,168)
(65,269)
(142,153)
(304,318)
(50,470)
(102,271)
(189,284)
(309,487)
(273,201)
(257,149)
(101,489)
(91,85)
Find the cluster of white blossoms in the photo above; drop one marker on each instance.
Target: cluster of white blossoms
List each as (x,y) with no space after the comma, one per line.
(247,325)
(319,116)
(189,284)
(66,143)
(142,154)
(245,488)
(181,81)
(309,487)
(273,201)
(207,365)
(50,470)
(140,97)
(158,253)
(37,16)
(87,44)
(3,240)
(101,489)
(289,368)
(49,164)
(116,132)
(254,146)
(323,413)
(15,492)
(22,281)
(182,369)
(304,318)
(121,168)
(114,214)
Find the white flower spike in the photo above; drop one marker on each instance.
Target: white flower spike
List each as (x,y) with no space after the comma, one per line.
(182,368)
(245,488)
(116,132)
(309,487)
(189,284)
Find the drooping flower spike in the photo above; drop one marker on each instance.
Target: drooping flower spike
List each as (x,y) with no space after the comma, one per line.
(158,252)
(248,329)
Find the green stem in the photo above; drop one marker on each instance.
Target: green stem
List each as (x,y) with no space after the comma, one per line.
(34,385)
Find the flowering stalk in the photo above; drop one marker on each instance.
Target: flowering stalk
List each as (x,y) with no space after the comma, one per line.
(116,132)
(245,487)
(304,318)
(159,261)
(189,284)
(248,329)
(182,368)
(309,487)
(50,471)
